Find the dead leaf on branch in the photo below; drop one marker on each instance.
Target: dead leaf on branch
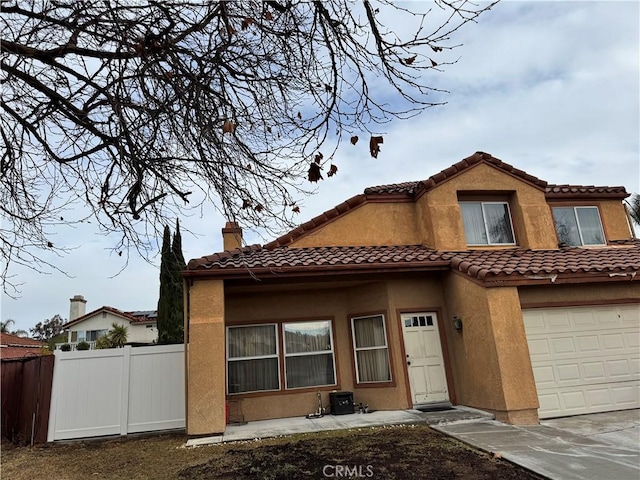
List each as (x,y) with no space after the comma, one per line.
(318,158)
(332,170)
(354,140)
(296,209)
(268,15)
(258,208)
(433,63)
(246,204)
(435,48)
(410,60)
(246,23)
(228,126)
(374,146)
(314,173)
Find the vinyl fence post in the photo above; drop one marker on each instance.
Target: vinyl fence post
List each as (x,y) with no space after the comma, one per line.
(124,399)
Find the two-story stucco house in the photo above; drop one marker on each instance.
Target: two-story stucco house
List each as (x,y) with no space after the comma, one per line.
(481,286)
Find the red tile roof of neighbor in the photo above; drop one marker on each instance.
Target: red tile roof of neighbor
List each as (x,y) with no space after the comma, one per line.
(13,346)
(497,266)
(135,317)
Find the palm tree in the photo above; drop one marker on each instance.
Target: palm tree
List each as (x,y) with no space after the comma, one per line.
(633,206)
(4,326)
(118,335)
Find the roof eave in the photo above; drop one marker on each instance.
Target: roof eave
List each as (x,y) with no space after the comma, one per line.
(317,270)
(562,278)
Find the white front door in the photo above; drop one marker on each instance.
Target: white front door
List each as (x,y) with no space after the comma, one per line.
(425,362)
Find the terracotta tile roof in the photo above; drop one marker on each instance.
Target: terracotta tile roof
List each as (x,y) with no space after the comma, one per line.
(255,258)
(581,191)
(413,188)
(12,346)
(133,317)
(484,265)
(15,340)
(513,263)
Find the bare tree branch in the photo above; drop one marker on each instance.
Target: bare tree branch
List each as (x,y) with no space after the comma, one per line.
(132,110)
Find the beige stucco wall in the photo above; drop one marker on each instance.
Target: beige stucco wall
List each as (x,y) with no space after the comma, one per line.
(368,224)
(492,368)
(388,297)
(590,293)
(206,380)
(532,220)
(614,220)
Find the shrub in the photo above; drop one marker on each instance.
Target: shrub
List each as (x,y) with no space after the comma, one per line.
(104,342)
(65,347)
(83,346)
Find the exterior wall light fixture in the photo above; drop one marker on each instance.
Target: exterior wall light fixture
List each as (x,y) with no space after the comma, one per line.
(457,323)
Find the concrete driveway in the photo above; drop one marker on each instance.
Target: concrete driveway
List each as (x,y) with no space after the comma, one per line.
(586,447)
(619,429)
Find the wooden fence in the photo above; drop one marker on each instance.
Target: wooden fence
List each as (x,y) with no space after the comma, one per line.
(117,391)
(26,395)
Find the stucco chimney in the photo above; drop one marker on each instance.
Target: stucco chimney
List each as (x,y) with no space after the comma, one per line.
(78,307)
(231,236)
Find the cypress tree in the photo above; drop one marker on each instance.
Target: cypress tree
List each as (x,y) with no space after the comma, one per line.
(164,300)
(178,265)
(170,304)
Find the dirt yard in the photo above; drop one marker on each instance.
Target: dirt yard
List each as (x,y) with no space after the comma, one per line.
(397,452)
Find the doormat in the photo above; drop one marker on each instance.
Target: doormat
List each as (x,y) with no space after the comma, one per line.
(434,408)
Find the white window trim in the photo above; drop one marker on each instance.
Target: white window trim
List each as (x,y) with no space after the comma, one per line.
(306,354)
(356,350)
(575,215)
(486,231)
(259,357)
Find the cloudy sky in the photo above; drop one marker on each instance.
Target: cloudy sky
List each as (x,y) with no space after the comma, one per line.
(549,87)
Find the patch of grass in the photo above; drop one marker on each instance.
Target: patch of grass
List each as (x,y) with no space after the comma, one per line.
(399,452)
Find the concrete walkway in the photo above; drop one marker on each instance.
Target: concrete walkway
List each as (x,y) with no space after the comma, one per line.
(560,449)
(289,426)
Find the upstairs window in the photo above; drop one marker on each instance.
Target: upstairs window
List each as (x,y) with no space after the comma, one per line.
(577,226)
(487,223)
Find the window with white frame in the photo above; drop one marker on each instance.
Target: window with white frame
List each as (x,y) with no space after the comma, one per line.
(578,226)
(308,354)
(370,349)
(252,358)
(487,223)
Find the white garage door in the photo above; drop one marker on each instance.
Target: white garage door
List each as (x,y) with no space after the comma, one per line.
(585,359)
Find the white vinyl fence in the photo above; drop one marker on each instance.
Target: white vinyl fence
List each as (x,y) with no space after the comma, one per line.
(117,391)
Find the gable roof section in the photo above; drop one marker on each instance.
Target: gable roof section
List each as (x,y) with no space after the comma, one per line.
(489,267)
(409,191)
(135,317)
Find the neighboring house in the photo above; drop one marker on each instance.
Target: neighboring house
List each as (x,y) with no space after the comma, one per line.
(481,286)
(88,327)
(13,346)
